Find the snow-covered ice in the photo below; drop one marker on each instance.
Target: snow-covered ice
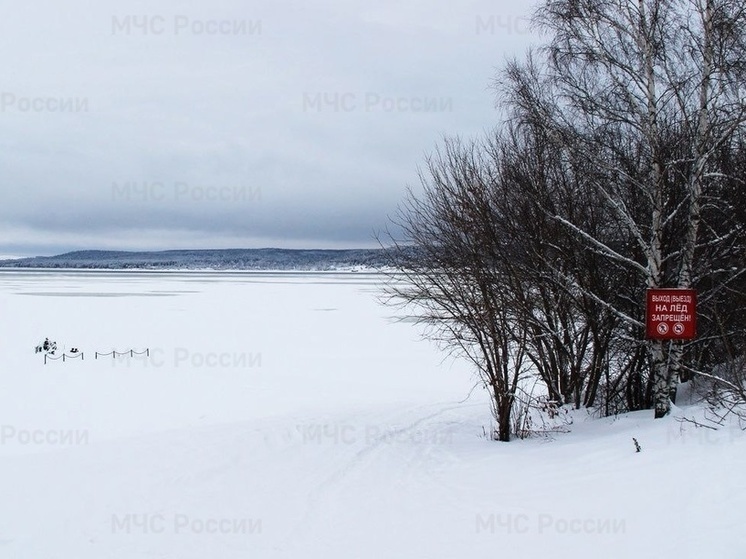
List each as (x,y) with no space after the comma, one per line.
(291,415)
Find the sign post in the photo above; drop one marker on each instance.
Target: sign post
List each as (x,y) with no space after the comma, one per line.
(671,314)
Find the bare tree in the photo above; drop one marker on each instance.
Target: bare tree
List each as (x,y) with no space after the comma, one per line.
(619,79)
(449,272)
(619,169)
(485,267)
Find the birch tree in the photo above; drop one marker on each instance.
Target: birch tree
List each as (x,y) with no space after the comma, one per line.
(620,168)
(618,80)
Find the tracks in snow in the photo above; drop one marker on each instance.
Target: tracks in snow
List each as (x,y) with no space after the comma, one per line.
(406,440)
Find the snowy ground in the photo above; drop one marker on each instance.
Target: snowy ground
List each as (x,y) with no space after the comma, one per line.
(287,415)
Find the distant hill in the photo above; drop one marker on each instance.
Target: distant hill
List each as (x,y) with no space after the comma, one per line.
(223,259)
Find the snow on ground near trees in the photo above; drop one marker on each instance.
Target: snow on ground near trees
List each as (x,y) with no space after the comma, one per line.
(288,415)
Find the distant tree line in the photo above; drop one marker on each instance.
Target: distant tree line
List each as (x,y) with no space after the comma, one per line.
(619,167)
(216,259)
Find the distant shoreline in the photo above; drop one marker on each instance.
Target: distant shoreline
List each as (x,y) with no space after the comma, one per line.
(206,271)
(269,260)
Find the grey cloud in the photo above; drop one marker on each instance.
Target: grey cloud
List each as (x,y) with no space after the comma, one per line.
(321,117)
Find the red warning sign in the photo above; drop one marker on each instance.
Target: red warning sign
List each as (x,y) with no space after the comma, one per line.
(671,314)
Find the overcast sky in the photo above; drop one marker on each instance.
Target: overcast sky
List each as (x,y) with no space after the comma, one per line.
(233,124)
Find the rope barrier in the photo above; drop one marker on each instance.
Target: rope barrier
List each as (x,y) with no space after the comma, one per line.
(114,353)
(64,356)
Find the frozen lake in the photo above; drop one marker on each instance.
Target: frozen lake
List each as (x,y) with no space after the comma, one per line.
(292,415)
(222,347)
